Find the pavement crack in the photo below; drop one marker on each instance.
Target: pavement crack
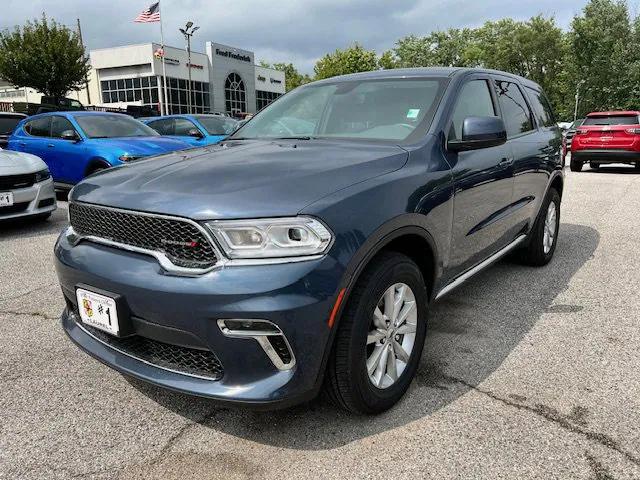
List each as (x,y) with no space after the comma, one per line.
(175,438)
(44,316)
(29,292)
(554,416)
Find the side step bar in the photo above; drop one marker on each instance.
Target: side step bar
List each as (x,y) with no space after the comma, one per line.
(479,267)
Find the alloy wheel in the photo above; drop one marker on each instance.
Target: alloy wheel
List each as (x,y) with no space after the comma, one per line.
(550,225)
(392,334)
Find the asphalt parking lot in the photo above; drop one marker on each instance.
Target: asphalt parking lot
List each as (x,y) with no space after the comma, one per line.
(527,373)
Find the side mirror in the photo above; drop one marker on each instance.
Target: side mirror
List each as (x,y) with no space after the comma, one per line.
(479,132)
(70,135)
(194,132)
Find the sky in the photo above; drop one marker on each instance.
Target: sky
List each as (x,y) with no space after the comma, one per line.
(280,30)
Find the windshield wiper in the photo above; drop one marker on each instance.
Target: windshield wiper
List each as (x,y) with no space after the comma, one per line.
(294,138)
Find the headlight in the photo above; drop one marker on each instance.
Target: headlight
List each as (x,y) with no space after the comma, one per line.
(42,175)
(272,238)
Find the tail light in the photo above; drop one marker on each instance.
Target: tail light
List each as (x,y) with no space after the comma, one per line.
(633,131)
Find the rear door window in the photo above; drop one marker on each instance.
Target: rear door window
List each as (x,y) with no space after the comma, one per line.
(611,120)
(8,124)
(40,127)
(474,101)
(515,111)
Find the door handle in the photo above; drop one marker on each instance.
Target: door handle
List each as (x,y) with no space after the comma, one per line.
(504,161)
(22,144)
(50,145)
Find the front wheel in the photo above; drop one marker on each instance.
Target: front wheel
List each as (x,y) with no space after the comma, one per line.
(379,340)
(594,165)
(637,165)
(543,237)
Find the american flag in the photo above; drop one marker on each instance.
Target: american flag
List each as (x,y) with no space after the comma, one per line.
(150,15)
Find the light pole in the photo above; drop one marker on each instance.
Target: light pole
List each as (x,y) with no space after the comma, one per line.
(188,32)
(575,111)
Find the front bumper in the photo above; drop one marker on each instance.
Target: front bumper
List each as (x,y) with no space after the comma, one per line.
(297,297)
(606,156)
(40,198)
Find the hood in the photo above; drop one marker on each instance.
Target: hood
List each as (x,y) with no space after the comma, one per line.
(141,145)
(17,163)
(241,179)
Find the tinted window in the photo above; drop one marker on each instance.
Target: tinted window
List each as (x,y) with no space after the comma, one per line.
(474,101)
(59,125)
(217,125)
(369,109)
(182,126)
(38,127)
(541,108)
(8,124)
(515,111)
(163,127)
(110,126)
(612,120)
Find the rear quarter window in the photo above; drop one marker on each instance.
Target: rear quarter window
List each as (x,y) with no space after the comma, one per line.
(514,107)
(541,108)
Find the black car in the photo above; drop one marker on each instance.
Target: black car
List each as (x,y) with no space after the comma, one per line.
(306,249)
(8,123)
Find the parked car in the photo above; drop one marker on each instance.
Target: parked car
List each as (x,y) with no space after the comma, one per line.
(297,255)
(77,144)
(607,137)
(8,123)
(26,187)
(571,131)
(197,130)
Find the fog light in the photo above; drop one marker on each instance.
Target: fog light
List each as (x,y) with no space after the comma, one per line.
(267,334)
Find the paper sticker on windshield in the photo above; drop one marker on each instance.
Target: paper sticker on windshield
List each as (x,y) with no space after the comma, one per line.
(413,113)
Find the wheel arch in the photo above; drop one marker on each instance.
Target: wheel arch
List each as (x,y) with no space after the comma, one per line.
(95,162)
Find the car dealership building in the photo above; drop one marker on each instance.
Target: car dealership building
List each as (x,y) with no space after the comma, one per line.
(224,79)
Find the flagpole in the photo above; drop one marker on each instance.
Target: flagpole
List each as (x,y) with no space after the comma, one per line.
(164,69)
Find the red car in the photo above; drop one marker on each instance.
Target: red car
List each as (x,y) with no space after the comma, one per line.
(607,137)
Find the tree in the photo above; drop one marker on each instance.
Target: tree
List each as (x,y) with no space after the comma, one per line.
(293,78)
(45,56)
(603,56)
(351,60)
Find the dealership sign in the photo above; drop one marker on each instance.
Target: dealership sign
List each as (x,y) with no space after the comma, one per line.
(235,56)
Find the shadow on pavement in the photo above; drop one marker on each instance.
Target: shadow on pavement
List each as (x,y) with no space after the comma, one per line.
(471,333)
(31,227)
(623,169)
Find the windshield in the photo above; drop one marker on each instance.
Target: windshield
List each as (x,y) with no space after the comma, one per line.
(368,109)
(217,124)
(110,126)
(577,123)
(8,124)
(612,120)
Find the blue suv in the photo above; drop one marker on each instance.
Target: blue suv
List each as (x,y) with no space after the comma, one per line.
(77,144)
(305,250)
(196,130)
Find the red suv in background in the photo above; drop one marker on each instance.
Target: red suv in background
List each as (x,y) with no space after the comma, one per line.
(607,137)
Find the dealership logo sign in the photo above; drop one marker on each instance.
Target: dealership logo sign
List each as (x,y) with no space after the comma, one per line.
(235,56)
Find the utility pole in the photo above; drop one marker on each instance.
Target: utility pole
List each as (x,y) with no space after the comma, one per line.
(575,111)
(188,32)
(86,79)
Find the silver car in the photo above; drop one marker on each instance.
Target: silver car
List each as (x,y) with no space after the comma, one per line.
(26,186)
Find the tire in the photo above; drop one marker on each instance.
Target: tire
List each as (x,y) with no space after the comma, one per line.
(575,166)
(594,165)
(535,253)
(347,381)
(637,165)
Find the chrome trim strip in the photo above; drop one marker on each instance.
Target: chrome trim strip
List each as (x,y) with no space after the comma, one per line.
(79,324)
(478,268)
(260,336)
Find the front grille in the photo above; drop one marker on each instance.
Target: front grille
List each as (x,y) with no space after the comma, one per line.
(189,361)
(13,182)
(15,208)
(182,242)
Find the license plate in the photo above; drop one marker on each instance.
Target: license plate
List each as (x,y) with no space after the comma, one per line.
(98,311)
(6,199)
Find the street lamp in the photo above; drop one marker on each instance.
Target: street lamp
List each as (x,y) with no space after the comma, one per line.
(188,32)
(575,111)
